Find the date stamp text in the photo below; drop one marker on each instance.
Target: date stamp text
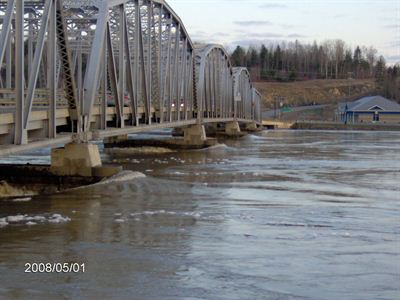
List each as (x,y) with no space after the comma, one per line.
(55,267)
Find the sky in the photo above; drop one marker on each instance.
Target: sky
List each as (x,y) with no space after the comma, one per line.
(253,22)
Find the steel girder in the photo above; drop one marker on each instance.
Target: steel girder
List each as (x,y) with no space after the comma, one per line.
(112,63)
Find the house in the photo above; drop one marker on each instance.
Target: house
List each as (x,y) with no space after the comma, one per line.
(371,109)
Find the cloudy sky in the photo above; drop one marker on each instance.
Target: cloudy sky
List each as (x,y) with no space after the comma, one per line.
(251,22)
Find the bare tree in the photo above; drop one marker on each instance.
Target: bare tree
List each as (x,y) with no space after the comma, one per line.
(371,53)
(287,60)
(339,55)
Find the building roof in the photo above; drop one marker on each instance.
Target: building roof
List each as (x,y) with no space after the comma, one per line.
(372,103)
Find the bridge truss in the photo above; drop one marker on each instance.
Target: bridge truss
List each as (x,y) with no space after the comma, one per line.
(85,65)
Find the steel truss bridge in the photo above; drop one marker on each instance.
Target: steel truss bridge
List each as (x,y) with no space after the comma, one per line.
(97,68)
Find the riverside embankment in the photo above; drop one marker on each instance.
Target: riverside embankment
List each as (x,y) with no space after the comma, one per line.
(311,125)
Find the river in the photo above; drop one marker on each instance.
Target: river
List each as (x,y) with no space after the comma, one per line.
(276,215)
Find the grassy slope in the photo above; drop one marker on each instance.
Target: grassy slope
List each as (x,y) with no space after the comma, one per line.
(314,91)
(326,113)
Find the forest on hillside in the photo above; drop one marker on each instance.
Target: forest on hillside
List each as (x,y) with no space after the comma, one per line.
(332,59)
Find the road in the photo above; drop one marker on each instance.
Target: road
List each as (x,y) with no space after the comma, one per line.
(271,113)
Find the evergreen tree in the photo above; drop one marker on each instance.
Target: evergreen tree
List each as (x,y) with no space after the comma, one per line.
(348,63)
(238,57)
(357,56)
(380,70)
(278,58)
(357,60)
(263,58)
(252,58)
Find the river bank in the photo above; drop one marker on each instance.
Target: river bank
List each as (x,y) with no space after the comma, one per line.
(319,125)
(304,125)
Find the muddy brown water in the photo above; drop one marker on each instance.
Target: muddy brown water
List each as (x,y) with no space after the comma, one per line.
(276,215)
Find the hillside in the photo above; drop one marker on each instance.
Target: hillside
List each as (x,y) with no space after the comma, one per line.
(314,91)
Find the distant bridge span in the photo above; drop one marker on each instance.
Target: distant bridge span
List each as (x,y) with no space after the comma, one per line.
(97,68)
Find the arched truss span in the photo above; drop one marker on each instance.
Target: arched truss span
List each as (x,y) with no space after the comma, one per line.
(247,99)
(213,82)
(149,62)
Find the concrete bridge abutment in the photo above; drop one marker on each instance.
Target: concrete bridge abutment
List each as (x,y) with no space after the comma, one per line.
(81,160)
(252,127)
(195,134)
(232,129)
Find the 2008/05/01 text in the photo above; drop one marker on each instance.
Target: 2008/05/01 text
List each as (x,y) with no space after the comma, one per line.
(55,268)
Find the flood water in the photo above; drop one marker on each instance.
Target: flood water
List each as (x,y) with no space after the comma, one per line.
(277,215)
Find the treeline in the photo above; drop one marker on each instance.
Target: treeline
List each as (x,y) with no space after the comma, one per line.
(332,59)
(389,80)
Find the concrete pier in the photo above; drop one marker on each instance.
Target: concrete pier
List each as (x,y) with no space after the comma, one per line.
(195,134)
(252,127)
(227,130)
(211,130)
(194,137)
(75,159)
(79,159)
(232,128)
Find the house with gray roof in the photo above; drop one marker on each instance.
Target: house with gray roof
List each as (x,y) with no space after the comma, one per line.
(372,109)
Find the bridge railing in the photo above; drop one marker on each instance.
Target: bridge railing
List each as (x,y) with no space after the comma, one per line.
(41,99)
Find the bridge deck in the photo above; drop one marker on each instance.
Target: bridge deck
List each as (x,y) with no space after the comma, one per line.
(64,138)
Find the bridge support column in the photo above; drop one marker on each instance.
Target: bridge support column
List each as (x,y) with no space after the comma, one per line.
(232,128)
(22,136)
(195,134)
(77,159)
(251,127)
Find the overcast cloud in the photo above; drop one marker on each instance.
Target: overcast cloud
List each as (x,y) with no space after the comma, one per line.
(251,22)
